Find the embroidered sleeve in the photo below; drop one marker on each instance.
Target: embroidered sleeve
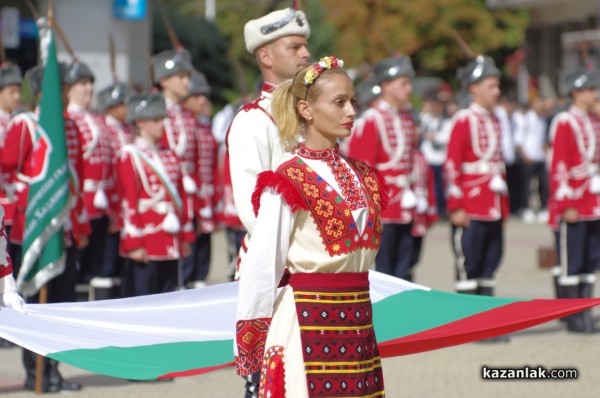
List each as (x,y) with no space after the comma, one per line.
(453,164)
(187,233)
(281,185)
(260,272)
(251,336)
(79,219)
(132,236)
(562,149)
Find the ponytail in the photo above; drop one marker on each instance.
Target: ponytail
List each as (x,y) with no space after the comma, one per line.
(284,108)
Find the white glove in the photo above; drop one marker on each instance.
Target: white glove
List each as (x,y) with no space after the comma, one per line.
(12,299)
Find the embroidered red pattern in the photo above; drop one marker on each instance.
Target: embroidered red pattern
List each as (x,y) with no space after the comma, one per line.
(351,190)
(251,336)
(339,348)
(332,213)
(272,376)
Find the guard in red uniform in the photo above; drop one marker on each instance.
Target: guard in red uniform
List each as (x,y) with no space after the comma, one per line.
(575,192)
(17,158)
(197,102)
(384,138)
(10,99)
(110,102)
(98,170)
(157,230)
(475,175)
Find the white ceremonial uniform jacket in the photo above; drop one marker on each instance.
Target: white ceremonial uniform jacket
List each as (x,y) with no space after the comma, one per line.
(254,146)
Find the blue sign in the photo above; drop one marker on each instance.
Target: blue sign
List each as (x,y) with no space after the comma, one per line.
(28,29)
(130,9)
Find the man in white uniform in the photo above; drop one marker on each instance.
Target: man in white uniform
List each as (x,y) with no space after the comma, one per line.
(278,41)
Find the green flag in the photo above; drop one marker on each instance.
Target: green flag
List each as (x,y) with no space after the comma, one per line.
(48,201)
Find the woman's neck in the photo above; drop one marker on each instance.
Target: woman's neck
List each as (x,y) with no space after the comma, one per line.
(318,142)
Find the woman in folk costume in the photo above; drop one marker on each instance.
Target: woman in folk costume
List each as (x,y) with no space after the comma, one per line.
(157,230)
(317,221)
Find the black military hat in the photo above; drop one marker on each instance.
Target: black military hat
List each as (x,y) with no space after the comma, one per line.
(393,67)
(367,91)
(34,76)
(9,74)
(111,96)
(145,106)
(581,79)
(77,71)
(198,84)
(477,70)
(171,62)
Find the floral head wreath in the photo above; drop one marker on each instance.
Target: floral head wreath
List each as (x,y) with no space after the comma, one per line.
(315,70)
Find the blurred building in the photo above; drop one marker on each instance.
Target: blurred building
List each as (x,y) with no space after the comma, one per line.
(86,24)
(554,37)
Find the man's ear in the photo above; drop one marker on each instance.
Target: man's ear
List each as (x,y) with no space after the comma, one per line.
(304,109)
(263,55)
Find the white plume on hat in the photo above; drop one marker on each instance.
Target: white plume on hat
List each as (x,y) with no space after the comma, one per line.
(280,23)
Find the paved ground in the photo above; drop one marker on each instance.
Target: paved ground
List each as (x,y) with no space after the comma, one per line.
(449,373)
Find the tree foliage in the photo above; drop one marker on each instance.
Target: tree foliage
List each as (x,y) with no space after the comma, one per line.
(205,42)
(370,30)
(366,31)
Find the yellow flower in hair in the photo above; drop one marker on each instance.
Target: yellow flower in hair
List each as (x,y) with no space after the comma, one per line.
(311,75)
(325,63)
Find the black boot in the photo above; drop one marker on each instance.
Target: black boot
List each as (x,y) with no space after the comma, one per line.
(29,363)
(57,380)
(466,286)
(485,291)
(586,290)
(575,321)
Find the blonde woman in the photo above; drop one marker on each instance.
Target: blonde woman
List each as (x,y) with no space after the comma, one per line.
(317,219)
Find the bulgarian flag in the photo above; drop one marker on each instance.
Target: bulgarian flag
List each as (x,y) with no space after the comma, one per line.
(191,332)
(48,201)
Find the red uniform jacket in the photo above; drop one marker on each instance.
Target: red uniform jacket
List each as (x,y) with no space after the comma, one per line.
(474,169)
(155,205)
(98,171)
(575,165)
(207,162)
(17,158)
(225,211)
(121,134)
(384,139)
